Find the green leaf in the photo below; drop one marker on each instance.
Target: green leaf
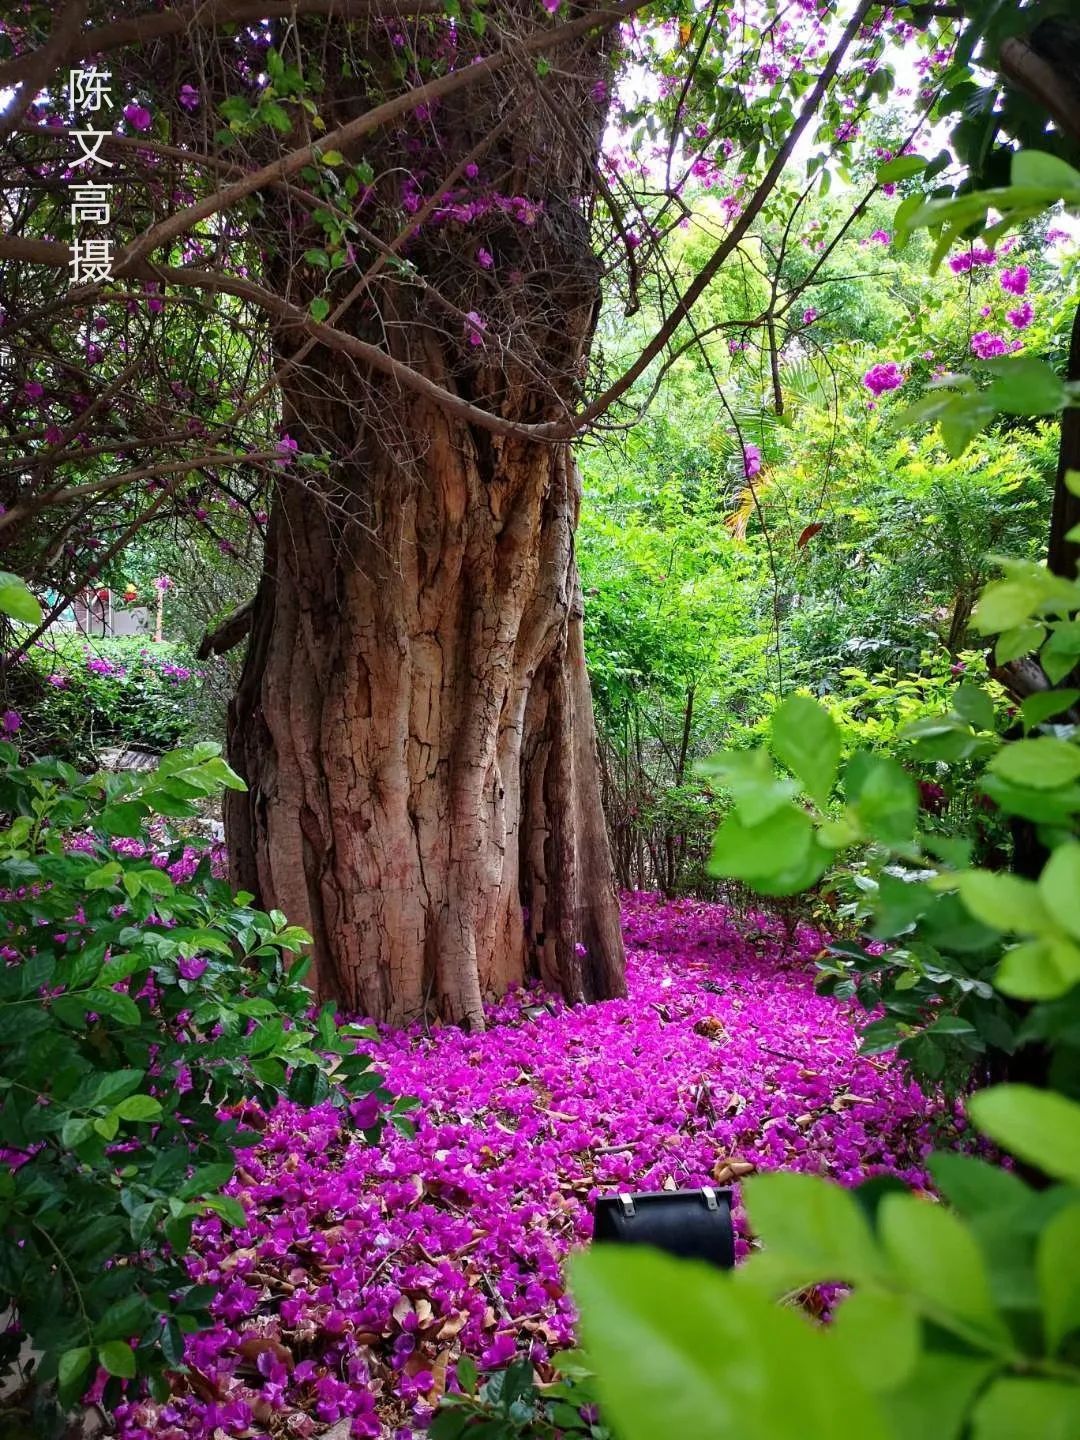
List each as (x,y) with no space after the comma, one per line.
(332,157)
(805,738)
(746,852)
(1043,763)
(1007,605)
(1025,386)
(125,818)
(941,1386)
(1045,703)
(973,704)
(467,1374)
(903,167)
(138,1107)
(680,1350)
(1027,1410)
(879,1335)
(1007,902)
(17,600)
(816,1226)
(1015,643)
(72,1367)
(1039,970)
(1039,1126)
(1044,172)
(883,796)
(1059,1276)
(230,1209)
(752,782)
(1059,886)
(935,1254)
(75,1131)
(320,308)
(974,1187)
(118,1358)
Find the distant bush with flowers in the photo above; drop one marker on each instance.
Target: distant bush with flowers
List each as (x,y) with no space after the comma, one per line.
(78,695)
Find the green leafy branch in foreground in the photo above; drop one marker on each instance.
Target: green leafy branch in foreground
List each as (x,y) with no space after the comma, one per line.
(964,1317)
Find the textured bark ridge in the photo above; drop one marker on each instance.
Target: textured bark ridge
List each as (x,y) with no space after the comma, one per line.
(415,726)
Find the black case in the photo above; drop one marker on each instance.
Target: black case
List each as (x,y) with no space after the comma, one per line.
(693,1224)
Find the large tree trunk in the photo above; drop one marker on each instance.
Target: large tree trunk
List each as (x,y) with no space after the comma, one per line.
(415,726)
(414,719)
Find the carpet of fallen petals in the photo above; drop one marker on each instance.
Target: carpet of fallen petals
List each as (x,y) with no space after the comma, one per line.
(366,1270)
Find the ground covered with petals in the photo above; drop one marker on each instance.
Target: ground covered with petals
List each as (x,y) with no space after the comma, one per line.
(365,1271)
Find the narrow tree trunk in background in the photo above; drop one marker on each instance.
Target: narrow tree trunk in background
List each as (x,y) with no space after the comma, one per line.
(415,726)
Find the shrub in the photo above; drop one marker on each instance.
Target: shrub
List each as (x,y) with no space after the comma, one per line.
(145,1012)
(78,696)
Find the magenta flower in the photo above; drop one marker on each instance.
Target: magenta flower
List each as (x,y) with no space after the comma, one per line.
(286,447)
(1015,280)
(484,258)
(474,328)
(58,680)
(1021,317)
(846,131)
(11,722)
(751,461)
(884,376)
(138,117)
(33,390)
(809,316)
(188,97)
(882,237)
(986,345)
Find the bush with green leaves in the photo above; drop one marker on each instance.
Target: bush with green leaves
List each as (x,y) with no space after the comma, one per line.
(144,1009)
(78,696)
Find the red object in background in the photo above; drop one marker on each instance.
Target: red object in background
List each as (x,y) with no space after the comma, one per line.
(103,596)
(130,593)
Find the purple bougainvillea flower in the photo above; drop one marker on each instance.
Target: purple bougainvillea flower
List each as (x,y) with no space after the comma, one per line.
(286,448)
(11,722)
(484,258)
(138,117)
(809,316)
(1022,316)
(474,328)
(1015,280)
(882,377)
(33,390)
(751,461)
(188,97)
(986,345)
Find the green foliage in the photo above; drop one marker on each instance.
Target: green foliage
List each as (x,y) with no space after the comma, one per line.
(78,697)
(143,1010)
(952,937)
(963,1319)
(510,1405)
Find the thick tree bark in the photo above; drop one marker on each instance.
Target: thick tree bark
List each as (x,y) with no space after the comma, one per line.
(415,725)
(414,719)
